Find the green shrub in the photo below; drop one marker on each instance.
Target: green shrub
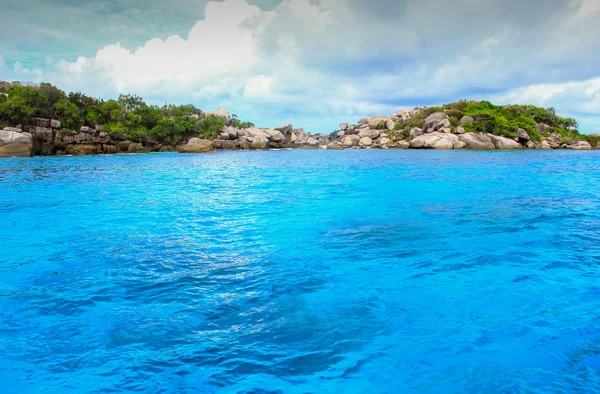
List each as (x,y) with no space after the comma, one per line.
(68,113)
(3,98)
(469,128)
(246,125)
(210,126)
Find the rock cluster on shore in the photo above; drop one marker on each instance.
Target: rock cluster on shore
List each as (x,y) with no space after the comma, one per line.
(45,137)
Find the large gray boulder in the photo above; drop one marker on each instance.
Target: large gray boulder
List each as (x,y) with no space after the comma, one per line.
(436,140)
(287,131)
(504,143)
(221,113)
(365,141)
(42,134)
(466,119)
(437,116)
(370,133)
(580,145)
(259,142)
(476,141)
(403,114)
(275,135)
(435,122)
(195,145)
(350,140)
(15,144)
(136,148)
(390,124)
(415,132)
(459,130)
(522,135)
(312,141)
(335,146)
(403,144)
(378,122)
(254,132)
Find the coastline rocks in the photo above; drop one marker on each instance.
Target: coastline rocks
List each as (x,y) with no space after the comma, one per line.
(545,145)
(196,145)
(476,141)
(580,145)
(370,133)
(312,141)
(259,142)
(287,130)
(435,122)
(390,124)
(275,135)
(365,141)
(344,126)
(82,150)
(459,130)
(351,140)
(221,113)
(14,143)
(415,132)
(522,135)
(377,122)
(436,140)
(403,114)
(123,146)
(136,148)
(403,144)
(504,143)
(335,146)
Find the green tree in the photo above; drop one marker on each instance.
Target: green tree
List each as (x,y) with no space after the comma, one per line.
(68,113)
(130,102)
(211,125)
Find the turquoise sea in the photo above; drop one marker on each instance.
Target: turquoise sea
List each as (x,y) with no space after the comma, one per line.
(301,272)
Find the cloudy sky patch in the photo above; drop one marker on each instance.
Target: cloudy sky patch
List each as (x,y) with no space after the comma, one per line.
(313,62)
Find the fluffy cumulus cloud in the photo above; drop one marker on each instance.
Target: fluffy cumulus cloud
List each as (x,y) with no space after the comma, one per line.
(321,61)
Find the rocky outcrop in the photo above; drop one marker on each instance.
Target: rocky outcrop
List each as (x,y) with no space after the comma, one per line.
(476,141)
(504,143)
(15,143)
(580,145)
(466,119)
(436,140)
(436,122)
(522,136)
(221,113)
(196,145)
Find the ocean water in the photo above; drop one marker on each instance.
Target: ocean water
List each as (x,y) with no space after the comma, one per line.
(301,271)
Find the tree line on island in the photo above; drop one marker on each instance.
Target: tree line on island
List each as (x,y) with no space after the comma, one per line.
(128,117)
(44,120)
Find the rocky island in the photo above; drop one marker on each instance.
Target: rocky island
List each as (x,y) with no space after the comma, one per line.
(42,120)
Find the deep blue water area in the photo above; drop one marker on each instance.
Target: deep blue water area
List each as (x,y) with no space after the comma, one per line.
(301,271)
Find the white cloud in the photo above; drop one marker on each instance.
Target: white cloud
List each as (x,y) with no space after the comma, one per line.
(333,58)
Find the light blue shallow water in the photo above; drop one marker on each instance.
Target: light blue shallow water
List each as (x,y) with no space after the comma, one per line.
(301,271)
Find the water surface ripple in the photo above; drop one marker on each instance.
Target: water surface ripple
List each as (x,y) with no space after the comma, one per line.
(301,271)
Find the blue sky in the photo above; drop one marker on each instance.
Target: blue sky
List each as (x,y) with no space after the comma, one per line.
(315,63)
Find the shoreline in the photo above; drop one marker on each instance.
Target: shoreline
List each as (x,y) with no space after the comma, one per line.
(461,125)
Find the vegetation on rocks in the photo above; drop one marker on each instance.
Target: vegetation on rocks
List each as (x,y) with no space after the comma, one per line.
(500,120)
(126,118)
